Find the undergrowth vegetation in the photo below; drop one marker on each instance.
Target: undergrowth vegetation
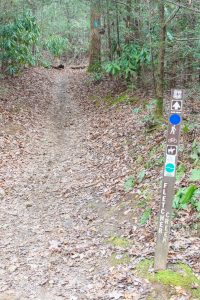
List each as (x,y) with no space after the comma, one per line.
(37,32)
(179,275)
(18,43)
(129,64)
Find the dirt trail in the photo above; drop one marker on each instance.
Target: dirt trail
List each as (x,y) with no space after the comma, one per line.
(53,227)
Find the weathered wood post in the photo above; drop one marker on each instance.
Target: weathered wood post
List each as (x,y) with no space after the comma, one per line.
(169,178)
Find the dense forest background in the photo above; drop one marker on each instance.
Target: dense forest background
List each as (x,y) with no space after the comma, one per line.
(85,97)
(150,44)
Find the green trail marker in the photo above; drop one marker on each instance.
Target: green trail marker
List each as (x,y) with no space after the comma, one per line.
(169,177)
(170,168)
(96,23)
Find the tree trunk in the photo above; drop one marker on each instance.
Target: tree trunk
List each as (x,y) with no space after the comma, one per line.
(117,28)
(161,59)
(190,59)
(95,42)
(129,21)
(137,20)
(173,73)
(151,49)
(110,54)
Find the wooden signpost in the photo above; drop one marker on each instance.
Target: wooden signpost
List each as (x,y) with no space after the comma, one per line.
(169,178)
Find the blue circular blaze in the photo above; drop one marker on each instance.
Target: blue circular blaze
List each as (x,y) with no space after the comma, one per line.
(170,168)
(175,119)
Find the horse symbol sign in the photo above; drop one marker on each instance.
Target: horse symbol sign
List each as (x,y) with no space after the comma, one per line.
(172,150)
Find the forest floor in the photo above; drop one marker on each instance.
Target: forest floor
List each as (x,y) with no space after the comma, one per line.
(80,177)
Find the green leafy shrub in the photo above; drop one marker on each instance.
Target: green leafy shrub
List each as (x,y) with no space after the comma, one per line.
(17,40)
(185,196)
(56,45)
(129,63)
(112,68)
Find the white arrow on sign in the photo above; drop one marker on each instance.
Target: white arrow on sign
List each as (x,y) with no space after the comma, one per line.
(176,106)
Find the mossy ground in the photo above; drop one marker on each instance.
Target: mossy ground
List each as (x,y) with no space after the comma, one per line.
(111,100)
(119,259)
(179,275)
(118,241)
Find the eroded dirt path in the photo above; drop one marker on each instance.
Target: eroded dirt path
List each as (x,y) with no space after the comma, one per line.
(54,220)
(68,228)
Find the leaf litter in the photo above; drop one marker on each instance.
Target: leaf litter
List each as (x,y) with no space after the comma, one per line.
(76,172)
